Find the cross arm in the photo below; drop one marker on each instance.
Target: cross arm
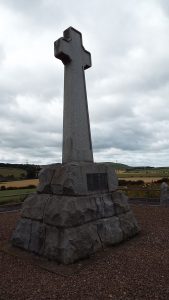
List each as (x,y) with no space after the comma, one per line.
(87,62)
(62,51)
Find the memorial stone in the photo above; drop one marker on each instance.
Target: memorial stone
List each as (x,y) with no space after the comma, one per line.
(77,209)
(164,194)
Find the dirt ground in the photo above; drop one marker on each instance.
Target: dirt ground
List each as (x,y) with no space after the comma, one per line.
(136,269)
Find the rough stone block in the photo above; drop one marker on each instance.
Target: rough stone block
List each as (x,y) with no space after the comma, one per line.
(128,224)
(69,228)
(34,205)
(37,237)
(79,242)
(51,247)
(120,202)
(108,205)
(77,179)
(112,177)
(64,211)
(109,231)
(45,178)
(21,235)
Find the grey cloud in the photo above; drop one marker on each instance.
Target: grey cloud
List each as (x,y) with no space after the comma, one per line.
(124,134)
(41,82)
(165,6)
(2,54)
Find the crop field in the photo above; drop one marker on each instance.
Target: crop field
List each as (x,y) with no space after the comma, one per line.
(13,189)
(145,179)
(20,183)
(148,176)
(155,172)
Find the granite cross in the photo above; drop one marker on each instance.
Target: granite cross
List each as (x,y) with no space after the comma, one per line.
(77,145)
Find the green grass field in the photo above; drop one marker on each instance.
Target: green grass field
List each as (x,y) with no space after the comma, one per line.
(153,192)
(14,196)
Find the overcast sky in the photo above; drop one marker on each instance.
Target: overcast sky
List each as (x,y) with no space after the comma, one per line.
(127,86)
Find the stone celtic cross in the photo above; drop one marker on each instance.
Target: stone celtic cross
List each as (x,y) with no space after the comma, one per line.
(76,209)
(77,145)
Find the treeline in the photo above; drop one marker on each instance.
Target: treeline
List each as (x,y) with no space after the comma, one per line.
(147,168)
(31,171)
(139,169)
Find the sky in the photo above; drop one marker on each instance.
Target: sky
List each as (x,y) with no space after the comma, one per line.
(127,85)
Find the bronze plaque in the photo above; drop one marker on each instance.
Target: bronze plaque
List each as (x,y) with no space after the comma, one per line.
(97,182)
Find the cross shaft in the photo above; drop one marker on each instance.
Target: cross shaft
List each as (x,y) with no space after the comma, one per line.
(77,145)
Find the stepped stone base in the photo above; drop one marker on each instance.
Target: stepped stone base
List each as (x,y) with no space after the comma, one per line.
(70,227)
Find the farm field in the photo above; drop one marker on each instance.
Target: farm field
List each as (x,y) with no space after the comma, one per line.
(156,172)
(20,183)
(14,196)
(147,176)
(145,179)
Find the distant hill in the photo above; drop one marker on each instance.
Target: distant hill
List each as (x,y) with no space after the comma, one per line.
(10,172)
(119,166)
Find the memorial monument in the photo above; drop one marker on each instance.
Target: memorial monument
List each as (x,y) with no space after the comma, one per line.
(76,209)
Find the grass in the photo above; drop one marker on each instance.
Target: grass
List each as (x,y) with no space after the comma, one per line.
(139,192)
(14,196)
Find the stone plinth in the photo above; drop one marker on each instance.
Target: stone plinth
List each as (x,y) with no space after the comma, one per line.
(67,222)
(77,179)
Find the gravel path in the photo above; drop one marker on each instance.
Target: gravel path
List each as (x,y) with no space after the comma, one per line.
(136,269)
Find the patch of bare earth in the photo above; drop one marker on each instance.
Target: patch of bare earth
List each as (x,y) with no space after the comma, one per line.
(136,269)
